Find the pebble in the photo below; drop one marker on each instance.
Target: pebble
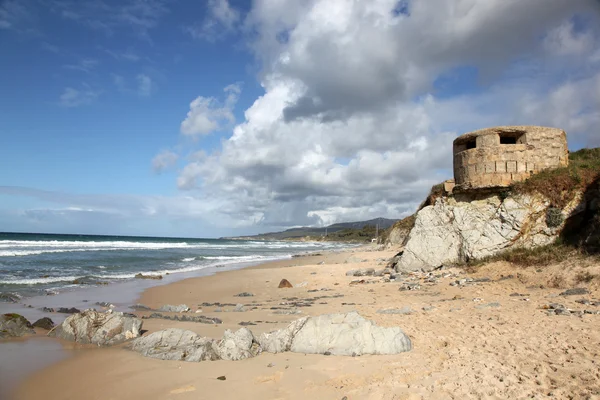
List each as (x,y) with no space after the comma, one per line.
(222,378)
(575,291)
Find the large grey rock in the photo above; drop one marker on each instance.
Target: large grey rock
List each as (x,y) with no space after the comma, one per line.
(237,345)
(469,227)
(178,309)
(14,325)
(103,329)
(175,344)
(348,334)
(281,340)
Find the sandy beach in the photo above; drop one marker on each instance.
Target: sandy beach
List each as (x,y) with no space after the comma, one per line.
(480,334)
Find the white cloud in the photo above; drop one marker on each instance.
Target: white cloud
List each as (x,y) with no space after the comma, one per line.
(12,13)
(207,114)
(355,121)
(221,19)
(164,160)
(85,65)
(145,85)
(78,97)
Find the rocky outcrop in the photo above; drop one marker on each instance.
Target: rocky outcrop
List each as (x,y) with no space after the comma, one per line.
(476,225)
(337,334)
(14,325)
(44,323)
(348,334)
(175,344)
(102,329)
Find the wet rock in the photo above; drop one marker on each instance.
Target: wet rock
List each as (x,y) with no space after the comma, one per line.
(14,325)
(181,308)
(66,310)
(103,329)
(401,311)
(285,284)
(44,323)
(142,276)
(575,291)
(48,309)
(175,344)
(244,294)
(9,298)
(105,304)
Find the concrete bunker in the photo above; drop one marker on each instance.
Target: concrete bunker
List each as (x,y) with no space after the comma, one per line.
(496,157)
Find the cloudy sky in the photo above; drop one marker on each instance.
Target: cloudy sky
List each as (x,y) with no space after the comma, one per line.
(212,118)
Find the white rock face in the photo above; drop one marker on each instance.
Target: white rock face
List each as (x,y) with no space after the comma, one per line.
(281,340)
(454,230)
(348,334)
(175,344)
(237,345)
(103,329)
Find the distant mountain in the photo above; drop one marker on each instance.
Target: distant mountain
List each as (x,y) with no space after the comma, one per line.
(302,232)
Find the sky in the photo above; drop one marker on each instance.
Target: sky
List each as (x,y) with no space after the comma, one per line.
(215,118)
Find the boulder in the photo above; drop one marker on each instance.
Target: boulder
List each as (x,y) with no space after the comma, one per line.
(175,344)
(102,329)
(237,345)
(348,334)
(281,340)
(178,309)
(9,298)
(14,325)
(285,284)
(44,323)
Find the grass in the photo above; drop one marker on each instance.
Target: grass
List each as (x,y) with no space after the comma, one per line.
(560,185)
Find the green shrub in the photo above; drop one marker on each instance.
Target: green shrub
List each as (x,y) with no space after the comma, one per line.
(554,217)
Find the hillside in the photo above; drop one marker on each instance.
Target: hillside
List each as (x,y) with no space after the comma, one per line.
(344,231)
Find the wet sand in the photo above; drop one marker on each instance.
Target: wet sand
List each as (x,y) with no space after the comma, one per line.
(487,338)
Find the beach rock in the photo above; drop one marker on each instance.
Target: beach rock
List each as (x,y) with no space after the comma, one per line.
(140,307)
(175,344)
(575,291)
(401,311)
(44,323)
(281,340)
(66,310)
(353,259)
(237,345)
(142,276)
(103,329)
(9,298)
(239,308)
(186,318)
(244,294)
(285,284)
(337,334)
(361,272)
(178,309)
(14,325)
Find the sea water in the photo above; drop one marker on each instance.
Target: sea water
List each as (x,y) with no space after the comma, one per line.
(46,264)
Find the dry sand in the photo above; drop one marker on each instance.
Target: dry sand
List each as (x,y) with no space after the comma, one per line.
(463,346)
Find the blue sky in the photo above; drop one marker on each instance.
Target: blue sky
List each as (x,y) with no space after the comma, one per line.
(211,118)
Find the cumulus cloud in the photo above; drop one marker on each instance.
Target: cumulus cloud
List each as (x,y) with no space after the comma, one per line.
(221,19)
(360,108)
(207,114)
(164,160)
(78,97)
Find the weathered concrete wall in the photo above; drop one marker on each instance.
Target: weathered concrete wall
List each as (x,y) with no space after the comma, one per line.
(499,156)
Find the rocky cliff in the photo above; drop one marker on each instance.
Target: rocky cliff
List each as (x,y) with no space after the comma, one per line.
(475,225)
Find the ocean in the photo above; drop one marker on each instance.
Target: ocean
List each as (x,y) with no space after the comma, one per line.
(47,264)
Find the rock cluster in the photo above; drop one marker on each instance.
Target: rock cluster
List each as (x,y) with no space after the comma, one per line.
(14,325)
(337,334)
(102,329)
